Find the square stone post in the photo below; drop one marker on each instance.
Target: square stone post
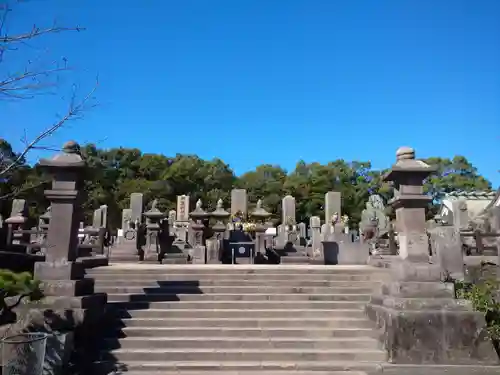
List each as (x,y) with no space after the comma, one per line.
(60,274)
(316,246)
(420,320)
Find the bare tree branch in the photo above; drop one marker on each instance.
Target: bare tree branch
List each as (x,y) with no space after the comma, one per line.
(73,111)
(24,84)
(23,189)
(28,82)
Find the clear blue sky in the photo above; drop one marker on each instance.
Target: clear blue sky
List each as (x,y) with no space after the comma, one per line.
(275,81)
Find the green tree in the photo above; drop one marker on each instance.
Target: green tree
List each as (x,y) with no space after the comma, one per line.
(266,183)
(452,175)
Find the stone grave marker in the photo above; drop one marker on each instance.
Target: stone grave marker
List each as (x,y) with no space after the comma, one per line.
(239,202)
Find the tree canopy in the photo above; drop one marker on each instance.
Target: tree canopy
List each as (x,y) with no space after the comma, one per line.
(114,174)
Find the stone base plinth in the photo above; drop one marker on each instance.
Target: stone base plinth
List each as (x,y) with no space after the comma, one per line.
(434,334)
(68,288)
(420,322)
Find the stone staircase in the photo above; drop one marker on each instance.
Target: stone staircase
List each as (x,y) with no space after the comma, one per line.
(241,319)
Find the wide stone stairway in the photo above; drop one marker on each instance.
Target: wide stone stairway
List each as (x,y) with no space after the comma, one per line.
(241,319)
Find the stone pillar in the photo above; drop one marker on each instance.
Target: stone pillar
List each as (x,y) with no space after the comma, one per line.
(333,204)
(315,224)
(182,221)
(104,216)
(60,274)
(172,217)
(97,219)
(419,318)
(126,219)
(136,206)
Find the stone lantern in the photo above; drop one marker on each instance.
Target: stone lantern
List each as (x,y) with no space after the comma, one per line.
(153,219)
(409,202)
(220,215)
(419,318)
(17,221)
(260,215)
(62,276)
(198,215)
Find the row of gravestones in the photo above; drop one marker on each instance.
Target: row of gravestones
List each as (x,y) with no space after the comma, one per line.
(288,233)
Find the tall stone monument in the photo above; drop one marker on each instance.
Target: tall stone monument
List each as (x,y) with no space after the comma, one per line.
(137,207)
(239,202)
(333,205)
(419,319)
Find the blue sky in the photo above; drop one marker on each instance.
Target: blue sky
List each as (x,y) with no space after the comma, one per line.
(274,81)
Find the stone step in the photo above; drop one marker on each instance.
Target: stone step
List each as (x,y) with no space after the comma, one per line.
(133,276)
(245,372)
(158,297)
(241,270)
(235,313)
(238,368)
(223,343)
(258,332)
(277,289)
(295,259)
(226,283)
(235,354)
(240,305)
(250,322)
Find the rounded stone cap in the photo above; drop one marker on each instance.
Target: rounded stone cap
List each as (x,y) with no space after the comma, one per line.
(405,153)
(71,147)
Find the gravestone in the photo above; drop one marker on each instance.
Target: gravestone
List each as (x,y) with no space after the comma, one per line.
(182,222)
(288,210)
(239,202)
(290,231)
(97,219)
(17,220)
(333,204)
(302,228)
(447,249)
(126,219)
(137,206)
(316,247)
(104,220)
(19,208)
(183,208)
(172,218)
(375,212)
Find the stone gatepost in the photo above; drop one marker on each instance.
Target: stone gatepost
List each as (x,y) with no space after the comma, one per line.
(418,316)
